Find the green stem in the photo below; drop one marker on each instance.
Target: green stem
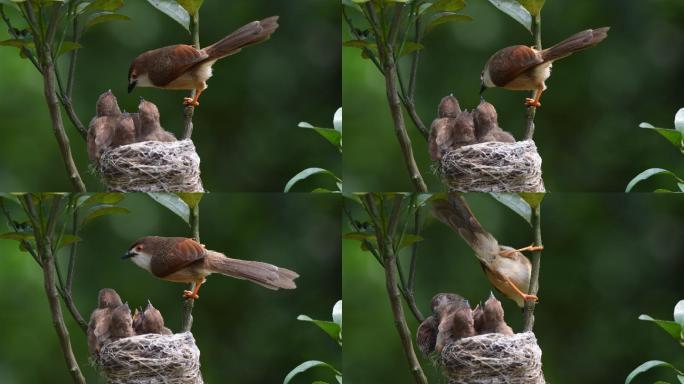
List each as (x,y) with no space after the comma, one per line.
(532,111)
(189,110)
(528,314)
(189,303)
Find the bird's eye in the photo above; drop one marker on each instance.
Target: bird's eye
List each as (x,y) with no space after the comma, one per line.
(138,248)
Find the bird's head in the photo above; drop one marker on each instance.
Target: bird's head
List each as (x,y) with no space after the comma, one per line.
(148,111)
(137,76)
(493,310)
(108,298)
(140,252)
(485,80)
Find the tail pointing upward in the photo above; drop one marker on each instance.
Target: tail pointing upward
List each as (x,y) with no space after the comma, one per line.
(264,274)
(250,34)
(578,41)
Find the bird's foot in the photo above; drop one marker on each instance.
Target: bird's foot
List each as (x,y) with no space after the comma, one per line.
(531,298)
(190,101)
(190,295)
(532,102)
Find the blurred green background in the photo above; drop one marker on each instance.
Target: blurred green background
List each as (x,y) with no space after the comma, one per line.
(587,128)
(245,333)
(246,128)
(608,259)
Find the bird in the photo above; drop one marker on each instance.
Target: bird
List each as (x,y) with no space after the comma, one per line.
(426,335)
(455,322)
(121,324)
(153,322)
(523,68)
(507,269)
(448,107)
(109,128)
(490,318)
(137,321)
(98,326)
(463,130)
(440,137)
(487,125)
(184,260)
(148,127)
(186,67)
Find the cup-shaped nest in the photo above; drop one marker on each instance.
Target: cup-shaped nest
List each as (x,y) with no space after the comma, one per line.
(493,167)
(493,359)
(151,359)
(152,166)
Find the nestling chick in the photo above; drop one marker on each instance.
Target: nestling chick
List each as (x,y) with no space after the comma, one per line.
(492,318)
(440,137)
(153,322)
(449,107)
(487,126)
(98,327)
(463,130)
(150,128)
(456,323)
(426,335)
(121,325)
(109,128)
(137,321)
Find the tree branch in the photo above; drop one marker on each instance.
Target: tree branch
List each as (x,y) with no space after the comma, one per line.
(189,303)
(528,313)
(189,110)
(532,111)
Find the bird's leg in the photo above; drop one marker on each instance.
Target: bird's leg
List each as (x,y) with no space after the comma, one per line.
(193,101)
(517,290)
(534,102)
(193,294)
(529,248)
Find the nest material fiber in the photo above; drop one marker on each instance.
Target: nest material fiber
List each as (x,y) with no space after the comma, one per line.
(151,359)
(494,359)
(152,166)
(493,167)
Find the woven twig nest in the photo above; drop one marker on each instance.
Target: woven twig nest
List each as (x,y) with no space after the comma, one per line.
(151,359)
(493,167)
(493,358)
(152,166)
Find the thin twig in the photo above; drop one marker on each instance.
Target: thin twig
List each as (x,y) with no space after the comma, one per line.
(369,53)
(528,314)
(367,244)
(25,51)
(189,303)
(532,111)
(189,110)
(25,244)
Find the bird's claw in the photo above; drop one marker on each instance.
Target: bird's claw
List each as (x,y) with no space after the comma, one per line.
(190,101)
(531,298)
(190,295)
(532,103)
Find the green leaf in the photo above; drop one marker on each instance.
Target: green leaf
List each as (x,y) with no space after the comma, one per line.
(329,327)
(410,47)
(11,4)
(173,10)
(173,203)
(679,313)
(356,43)
(191,199)
(305,174)
(648,173)
(103,5)
(515,10)
(409,240)
(18,43)
(102,17)
(672,328)
(647,366)
(19,236)
(672,135)
(68,46)
(192,6)
(337,120)
(337,313)
(68,239)
(305,366)
(352,5)
(102,198)
(515,203)
(359,236)
(679,121)
(10,197)
(533,6)
(680,378)
(446,6)
(534,199)
(103,210)
(333,136)
(445,17)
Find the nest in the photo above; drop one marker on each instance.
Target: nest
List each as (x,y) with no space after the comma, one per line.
(493,167)
(151,359)
(152,166)
(492,359)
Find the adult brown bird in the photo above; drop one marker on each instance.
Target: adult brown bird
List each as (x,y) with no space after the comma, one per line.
(490,319)
(505,267)
(523,68)
(184,260)
(98,326)
(185,67)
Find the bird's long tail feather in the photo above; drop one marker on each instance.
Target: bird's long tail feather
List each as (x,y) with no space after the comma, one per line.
(264,274)
(578,41)
(250,34)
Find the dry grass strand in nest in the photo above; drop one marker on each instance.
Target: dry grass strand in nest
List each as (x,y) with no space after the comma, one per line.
(152,166)
(493,167)
(493,359)
(151,359)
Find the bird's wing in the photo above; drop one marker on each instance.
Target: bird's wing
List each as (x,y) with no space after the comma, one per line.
(182,251)
(426,336)
(508,63)
(173,61)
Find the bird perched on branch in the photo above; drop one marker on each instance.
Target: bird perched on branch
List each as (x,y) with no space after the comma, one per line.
(505,267)
(523,68)
(185,67)
(490,318)
(184,260)
(98,326)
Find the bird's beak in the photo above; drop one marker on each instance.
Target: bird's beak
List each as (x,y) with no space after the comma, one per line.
(483,88)
(491,295)
(128,255)
(132,85)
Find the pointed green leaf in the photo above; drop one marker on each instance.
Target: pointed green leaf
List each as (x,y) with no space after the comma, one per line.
(672,135)
(410,47)
(534,199)
(446,6)
(191,199)
(333,136)
(173,10)
(103,5)
(10,197)
(68,46)
(352,5)
(515,10)
(173,203)
(515,203)
(19,236)
(68,239)
(103,210)
(647,174)
(445,17)
(112,198)
(359,236)
(192,6)
(533,6)
(409,240)
(305,366)
(102,17)
(647,366)
(332,329)
(305,174)
(672,328)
